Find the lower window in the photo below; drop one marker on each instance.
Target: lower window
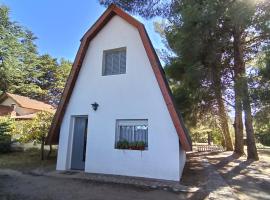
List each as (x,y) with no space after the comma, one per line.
(131,134)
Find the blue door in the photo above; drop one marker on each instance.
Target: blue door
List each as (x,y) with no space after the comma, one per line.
(79,143)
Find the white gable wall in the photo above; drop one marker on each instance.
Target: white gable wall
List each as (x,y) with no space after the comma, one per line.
(134,95)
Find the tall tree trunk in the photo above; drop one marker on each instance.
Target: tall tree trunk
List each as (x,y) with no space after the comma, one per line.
(239,67)
(238,122)
(251,145)
(49,153)
(221,108)
(42,147)
(241,82)
(209,138)
(224,124)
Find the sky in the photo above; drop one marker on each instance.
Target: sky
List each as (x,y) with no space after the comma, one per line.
(60,24)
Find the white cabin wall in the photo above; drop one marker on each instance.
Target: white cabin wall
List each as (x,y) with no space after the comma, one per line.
(134,95)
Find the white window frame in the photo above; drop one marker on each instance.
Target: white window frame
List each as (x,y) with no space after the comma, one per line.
(104,60)
(130,122)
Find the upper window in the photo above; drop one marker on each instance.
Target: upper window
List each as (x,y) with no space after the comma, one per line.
(131,134)
(114,61)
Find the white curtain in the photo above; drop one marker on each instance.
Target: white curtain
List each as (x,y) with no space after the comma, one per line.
(133,133)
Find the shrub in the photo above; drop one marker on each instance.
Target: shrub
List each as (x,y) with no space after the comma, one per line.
(262,126)
(5,143)
(6,130)
(36,130)
(264,138)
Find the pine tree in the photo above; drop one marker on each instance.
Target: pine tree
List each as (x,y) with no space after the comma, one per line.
(198,31)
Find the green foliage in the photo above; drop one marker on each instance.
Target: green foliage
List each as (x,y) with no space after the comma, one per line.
(60,77)
(262,126)
(37,129)
(217,137)
(145,8)
(197,24)
(264,138)
(5,143)
(199,72)
(207,127)
(199,136)
(50,78)
(260,93)
(201,35)
(6,130)
(6,126)
(17,54)
(122,144)
(259,80)
(139,145)
(22,70)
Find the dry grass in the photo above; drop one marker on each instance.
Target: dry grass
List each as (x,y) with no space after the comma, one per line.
(27,160)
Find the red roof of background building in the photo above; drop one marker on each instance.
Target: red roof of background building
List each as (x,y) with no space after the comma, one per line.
(26,102)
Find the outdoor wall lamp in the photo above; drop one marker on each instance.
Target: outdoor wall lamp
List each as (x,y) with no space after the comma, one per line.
(95,106)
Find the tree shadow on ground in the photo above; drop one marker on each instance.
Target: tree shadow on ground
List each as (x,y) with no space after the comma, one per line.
(245,176)
(196,174)
(241,175)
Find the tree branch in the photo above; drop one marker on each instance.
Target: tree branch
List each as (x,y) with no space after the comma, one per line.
(228,103)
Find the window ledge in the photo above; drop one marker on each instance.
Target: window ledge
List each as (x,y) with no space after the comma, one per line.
(145,149)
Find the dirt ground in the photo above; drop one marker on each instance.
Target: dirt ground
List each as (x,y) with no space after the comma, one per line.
(27,187)
(248,179)
(217,175)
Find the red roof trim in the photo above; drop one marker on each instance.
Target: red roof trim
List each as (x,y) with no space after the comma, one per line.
(154,61)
